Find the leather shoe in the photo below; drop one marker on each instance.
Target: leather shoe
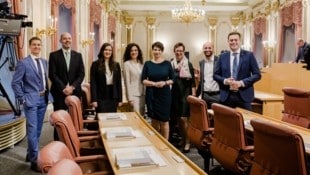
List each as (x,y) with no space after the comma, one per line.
(34,167)
(186,148)
(27,158)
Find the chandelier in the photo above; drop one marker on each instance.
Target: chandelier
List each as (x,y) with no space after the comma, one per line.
(187,13)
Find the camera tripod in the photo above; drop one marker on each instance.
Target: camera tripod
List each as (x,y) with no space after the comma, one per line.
(11,59)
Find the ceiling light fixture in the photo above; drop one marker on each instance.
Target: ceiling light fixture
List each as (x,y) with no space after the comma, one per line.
(187,14)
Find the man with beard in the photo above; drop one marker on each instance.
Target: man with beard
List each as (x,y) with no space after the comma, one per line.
(208,88)
(66,72)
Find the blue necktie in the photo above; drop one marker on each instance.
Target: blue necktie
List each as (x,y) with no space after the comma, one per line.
(41,86)
(235,66)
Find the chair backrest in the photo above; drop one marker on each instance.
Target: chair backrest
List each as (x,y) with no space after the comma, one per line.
(51,153)
(229,136)
(67,167)
(86,96)
(278,150)
(198,122)
(75,111)
(66,131)
(296,110)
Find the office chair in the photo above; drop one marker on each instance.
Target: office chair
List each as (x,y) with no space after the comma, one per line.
(78,146)
(56,151)
(229,146)
(198,130)
(296,106)
(82,126)
(87,108)
(278,150)
(65,166)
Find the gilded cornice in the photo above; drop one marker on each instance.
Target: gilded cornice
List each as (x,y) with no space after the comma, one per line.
(235,20)
(258,4)
(212,20)
(150,20)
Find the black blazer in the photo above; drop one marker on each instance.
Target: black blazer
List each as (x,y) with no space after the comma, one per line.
(98,82)
(60,76)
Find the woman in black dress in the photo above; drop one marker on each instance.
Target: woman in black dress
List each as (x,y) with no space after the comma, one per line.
(157,76)
(105,81)
(183,86)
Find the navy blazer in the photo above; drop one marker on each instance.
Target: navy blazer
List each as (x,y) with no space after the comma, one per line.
(248,72)
(26,82)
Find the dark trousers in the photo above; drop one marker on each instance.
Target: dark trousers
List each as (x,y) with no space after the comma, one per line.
(234,100)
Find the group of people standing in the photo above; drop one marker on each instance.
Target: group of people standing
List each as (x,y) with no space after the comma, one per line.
(161,85)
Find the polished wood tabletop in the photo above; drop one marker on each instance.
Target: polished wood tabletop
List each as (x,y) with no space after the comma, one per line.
(304,132)
(148,137)
(266,96)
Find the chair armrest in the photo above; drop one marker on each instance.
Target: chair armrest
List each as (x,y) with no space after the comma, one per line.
(90,121)
(245,158)
(89,138)
(90,158)
(87,132)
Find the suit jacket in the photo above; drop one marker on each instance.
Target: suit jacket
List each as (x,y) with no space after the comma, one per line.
(61,77)
(248,72)
(26,82)
(202,69)
(303,53)
(132,77)
(98,82)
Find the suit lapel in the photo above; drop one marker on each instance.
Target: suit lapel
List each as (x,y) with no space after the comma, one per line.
(33,67)
(241,59)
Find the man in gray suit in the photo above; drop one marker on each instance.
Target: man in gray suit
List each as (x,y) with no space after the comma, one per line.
(208,88)
(30,88)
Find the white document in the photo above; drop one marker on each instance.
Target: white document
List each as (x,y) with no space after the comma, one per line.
(118,132)
(112,116)
(137,157)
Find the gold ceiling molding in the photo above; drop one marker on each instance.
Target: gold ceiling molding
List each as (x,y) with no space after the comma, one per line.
(235,20)
(251,17)
(258,4)
(150,20)
(275,6)
(212,20)
(128,20)
(267,9)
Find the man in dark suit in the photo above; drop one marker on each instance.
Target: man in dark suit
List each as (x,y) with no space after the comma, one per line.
(236,72)
(303,48)
(66,72)
(30,88)
(208,87)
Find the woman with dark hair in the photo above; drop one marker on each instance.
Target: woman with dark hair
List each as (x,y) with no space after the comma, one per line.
(157,76)
(105,81)
(133,63)
(183,86)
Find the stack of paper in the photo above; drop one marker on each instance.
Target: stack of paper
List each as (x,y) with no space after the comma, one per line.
(113,116)
(133,159)
(137,157)
(119,132)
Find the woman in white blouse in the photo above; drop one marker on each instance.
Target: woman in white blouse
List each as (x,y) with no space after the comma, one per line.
(133,63)
(105,81)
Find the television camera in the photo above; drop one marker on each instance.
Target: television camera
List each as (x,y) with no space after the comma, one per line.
(11,23)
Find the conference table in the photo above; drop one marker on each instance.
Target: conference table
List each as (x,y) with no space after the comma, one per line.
(128,134)
(248,116)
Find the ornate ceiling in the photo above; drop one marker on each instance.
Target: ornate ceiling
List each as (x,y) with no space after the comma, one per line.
(211,6)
